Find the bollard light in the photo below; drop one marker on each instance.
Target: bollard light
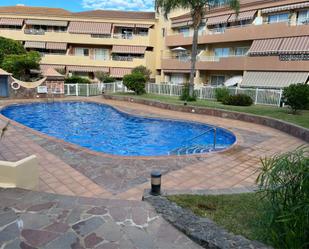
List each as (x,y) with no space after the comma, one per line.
(155,182)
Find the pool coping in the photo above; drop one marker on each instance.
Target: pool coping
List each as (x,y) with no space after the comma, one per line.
(106,155)
(286,127)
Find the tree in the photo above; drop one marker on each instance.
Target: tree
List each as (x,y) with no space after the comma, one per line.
(20,64)
(143,70)
(197,9)
(104,77)
(135,82)
(8,47)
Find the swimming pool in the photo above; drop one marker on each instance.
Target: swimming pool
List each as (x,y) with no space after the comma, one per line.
(105,129)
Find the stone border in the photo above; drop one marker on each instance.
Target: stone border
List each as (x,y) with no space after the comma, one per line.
(201,230)
(291,129)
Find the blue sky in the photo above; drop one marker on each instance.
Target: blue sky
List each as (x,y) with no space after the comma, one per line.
(82,5)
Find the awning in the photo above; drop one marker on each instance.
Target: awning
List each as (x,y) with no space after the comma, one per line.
(235,80)
(176,71)
(285,8)
(35,44)
(295,45)
(119,72)
(128,49)
(11,21)
(217,19)
(47,22)
(246,15)
(46,66)
(51,73)
(56,45)
(273,79)
(124,25)
(90,28)
(85,69)
(144,26)
(179,24)
(265,46)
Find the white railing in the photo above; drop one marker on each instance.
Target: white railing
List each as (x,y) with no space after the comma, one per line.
(259,96)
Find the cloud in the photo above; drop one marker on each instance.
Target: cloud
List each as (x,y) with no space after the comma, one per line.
(137,5)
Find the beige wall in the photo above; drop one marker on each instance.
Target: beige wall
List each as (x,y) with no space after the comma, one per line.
(21,174)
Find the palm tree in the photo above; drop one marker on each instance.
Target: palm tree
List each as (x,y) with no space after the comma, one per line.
(197,9)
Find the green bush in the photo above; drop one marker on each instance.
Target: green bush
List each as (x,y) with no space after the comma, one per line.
(185,95)
(77,79)
(104,77)
(135,82)
(284,183)
(296,96)
(143,70)
(238,100)
(221,93)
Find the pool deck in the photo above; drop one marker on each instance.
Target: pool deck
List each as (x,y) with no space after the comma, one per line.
(71,170)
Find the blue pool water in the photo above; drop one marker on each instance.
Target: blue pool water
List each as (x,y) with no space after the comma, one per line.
(102,128)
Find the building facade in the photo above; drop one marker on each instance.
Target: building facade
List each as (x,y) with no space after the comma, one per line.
(265,45)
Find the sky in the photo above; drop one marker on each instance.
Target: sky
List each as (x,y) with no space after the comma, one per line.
(84,5)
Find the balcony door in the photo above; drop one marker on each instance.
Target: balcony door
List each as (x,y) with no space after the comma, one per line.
(101,54)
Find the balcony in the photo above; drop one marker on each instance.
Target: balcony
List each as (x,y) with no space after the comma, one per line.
(44,36)
(240,33)
(87,61)
(237,63)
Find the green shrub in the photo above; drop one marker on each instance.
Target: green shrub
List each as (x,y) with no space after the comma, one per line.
(296,96)
(238,100)
(9,47)
(21,64)
(135,82)
(221,93)
(185,95)
(143,70)
(284,183)
(77,79)
(104,77)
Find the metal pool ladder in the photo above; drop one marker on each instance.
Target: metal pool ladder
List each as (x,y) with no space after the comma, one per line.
(194,138)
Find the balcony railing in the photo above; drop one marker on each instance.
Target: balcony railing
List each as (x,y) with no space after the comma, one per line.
(202,58)
(34,32)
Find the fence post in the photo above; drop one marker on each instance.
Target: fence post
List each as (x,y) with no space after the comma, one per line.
(159,89)
(171,87)
(68,90)
(236,90)
(114,90)
(256,95)
(280,97)
(201,93)
(148,87)
(76,89)
(87,90)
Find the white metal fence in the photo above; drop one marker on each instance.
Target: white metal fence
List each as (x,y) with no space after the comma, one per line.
(259,96)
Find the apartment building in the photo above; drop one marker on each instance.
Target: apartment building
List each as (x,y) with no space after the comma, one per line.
(265,45)
(84,43)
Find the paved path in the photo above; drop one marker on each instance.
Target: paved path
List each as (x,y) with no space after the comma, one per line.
(96,174)
(30,220)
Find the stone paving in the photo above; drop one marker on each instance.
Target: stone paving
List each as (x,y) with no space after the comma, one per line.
(30,220)
(96,174)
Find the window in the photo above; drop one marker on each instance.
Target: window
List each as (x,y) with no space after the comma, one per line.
(241,51)
(101,54)
(143,31)
(303,17)
(217,80)
(283,17)
(222,52)
(178,79)
(163,32)
(185,31)
(127,33)
(82,51)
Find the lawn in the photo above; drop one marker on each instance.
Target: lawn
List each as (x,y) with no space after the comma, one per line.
(301,119)
(240,214)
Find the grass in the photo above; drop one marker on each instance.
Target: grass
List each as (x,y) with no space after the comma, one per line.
(240,214)
(301,119)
